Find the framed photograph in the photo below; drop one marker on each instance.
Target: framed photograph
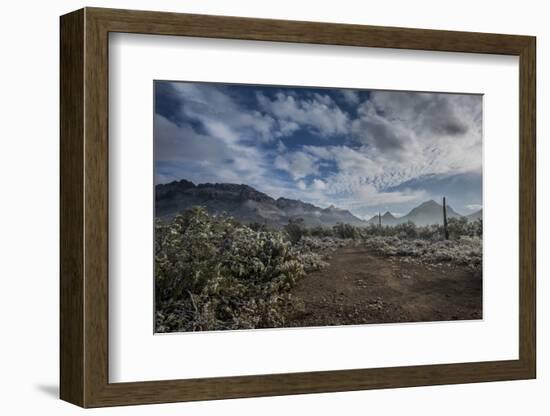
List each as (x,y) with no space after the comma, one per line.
(257,207)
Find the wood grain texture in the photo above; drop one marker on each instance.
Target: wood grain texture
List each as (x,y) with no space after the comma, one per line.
(84,207)
(162,23)
(527,208)
(71,208)
(96,208)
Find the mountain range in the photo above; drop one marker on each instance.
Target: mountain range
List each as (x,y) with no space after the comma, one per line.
(429,212)
(250,205)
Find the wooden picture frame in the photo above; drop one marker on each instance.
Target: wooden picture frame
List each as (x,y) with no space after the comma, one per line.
(84,207)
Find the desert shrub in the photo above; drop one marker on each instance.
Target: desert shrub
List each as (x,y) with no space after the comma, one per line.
(375,230)
(458,227)
(214,273)
(465,251)
(321,231)
(430,232)
(296,229)
(257,226)
(315,251)
(461,227)
(406,230)
(346,231)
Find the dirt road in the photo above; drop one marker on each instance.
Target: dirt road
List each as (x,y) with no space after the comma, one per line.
(360,287)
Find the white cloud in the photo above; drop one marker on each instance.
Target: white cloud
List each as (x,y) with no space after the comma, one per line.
(440,132)
(281,148)
(181,143)
(301,185)
(402,136)
(286,128)
(351,96)
(319,113)
(318,184)
(368,195)
(221,116)
(297,164)
(206,158)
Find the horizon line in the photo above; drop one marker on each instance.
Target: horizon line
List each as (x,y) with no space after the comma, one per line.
(362,218)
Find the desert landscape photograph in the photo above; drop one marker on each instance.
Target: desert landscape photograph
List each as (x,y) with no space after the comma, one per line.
(290,207)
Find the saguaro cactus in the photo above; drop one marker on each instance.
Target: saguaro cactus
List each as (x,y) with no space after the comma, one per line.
(379,220)
(445,219)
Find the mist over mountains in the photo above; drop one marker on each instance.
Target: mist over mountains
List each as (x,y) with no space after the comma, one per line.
(248,205)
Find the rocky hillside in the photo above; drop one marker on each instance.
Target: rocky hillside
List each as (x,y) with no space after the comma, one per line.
(245,204)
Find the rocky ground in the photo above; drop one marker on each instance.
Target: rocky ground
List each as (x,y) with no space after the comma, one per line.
(362,286)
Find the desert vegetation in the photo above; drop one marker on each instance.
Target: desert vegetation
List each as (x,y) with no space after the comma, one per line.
(215,273)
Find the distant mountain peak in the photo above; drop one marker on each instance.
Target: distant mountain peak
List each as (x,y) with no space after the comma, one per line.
(429,212)
(430,204)
(386,219)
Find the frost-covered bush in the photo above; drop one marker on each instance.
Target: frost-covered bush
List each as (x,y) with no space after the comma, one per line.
(346,231)
(325,245)
(465,250)
(214,273)
(296,229)
(315,252)
(457,227)
(319,231)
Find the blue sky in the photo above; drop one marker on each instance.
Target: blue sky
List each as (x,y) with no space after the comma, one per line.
(363,150)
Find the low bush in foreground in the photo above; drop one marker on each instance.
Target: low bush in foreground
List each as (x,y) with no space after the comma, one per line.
(215,273)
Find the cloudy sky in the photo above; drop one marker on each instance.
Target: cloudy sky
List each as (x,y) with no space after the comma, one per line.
(363,150)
